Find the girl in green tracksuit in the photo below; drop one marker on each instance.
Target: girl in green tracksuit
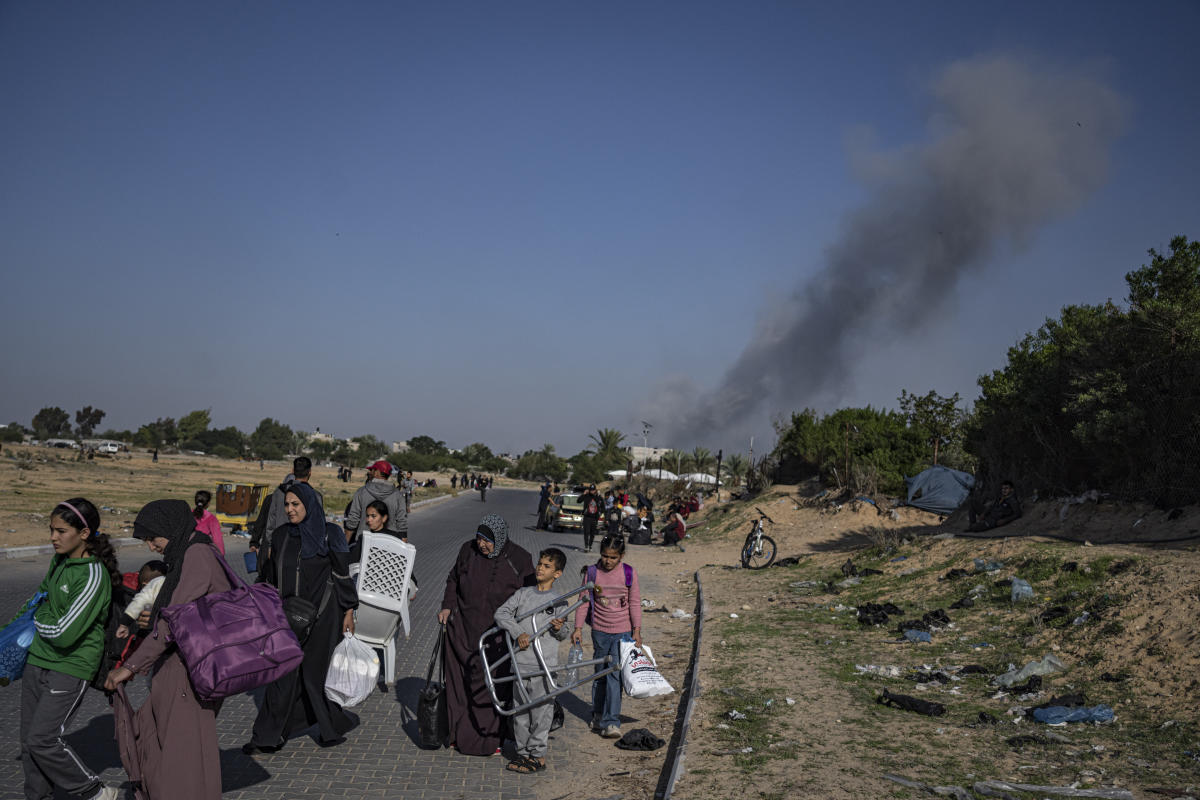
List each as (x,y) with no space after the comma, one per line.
(66,652)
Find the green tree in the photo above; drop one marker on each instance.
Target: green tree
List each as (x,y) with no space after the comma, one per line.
(427,445)
(734,466)
(674,460)
(701,459)
(321,449)
(12,432)
(1104,397)
(607,450)
(117,436)
(223,441)
(51,422)
(272,439)
(158,433)
(86,420)
(937,418)
(477,454)
(193,425)
(538,464)
(370,447)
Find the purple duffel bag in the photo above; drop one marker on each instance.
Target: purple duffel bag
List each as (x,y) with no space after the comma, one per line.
(234,641)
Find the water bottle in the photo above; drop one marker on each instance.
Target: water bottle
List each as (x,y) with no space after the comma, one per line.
(574,656)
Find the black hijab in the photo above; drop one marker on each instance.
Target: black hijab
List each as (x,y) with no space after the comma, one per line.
(171,520)
(314,536)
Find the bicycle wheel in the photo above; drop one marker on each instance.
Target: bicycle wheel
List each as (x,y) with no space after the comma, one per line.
(759,555)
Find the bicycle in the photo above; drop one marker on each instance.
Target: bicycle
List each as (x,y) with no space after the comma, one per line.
(759,550)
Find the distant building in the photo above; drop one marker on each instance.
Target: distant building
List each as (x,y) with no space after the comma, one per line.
(400,447)
(320,437)
(646,455)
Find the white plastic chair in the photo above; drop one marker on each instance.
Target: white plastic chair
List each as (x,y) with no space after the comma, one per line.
(384,575)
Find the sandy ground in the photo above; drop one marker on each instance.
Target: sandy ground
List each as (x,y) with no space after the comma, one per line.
(834,742)
(34,479)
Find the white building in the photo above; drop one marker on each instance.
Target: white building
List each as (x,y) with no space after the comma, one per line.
(646,455)
(400,447)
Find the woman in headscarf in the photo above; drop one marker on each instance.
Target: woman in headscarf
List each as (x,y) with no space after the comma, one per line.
(489,568)
(177,731)
(308,558)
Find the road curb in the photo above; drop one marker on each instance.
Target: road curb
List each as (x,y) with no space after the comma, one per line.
(687,701)
(34,550)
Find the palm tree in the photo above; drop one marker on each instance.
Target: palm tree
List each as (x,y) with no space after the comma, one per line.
(607,445)
(735,468)
(674,460)
(701,458)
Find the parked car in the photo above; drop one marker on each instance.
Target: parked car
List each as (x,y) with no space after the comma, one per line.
(570,513)
(108,447)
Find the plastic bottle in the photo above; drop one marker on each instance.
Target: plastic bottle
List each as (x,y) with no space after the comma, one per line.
(574,656)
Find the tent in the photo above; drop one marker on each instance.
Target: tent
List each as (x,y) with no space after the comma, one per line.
(699,477)
(661,474)
(939,489)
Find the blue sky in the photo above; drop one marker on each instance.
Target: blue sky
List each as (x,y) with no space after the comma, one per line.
(512,222)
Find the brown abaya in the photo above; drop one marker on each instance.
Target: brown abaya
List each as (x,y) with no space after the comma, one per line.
(177,731)
(475,588)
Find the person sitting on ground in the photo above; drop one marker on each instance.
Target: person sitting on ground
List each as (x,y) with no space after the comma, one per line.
(531,729)
(1006,509)
(675,529)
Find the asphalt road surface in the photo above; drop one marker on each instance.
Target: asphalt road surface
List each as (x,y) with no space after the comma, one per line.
(381,758)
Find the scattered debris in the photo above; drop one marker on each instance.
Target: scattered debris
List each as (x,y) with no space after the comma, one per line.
(957,792)
(1021,590)
(735,715)
(907,703)
(988,566)
(1060,715)
(679,613)
(874,669)
(918,636)
(993,788)
(1046,666)
(985,718)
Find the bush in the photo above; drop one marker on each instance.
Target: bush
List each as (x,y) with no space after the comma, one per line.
(225,451)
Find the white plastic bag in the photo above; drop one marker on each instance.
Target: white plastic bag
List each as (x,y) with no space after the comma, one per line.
(639,672)
(353,671)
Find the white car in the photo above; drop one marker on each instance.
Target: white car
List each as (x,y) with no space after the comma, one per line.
(108,447)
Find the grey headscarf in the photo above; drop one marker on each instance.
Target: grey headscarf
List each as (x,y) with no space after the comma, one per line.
(495,530)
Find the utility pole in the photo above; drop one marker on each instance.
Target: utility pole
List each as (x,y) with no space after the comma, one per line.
(719,454)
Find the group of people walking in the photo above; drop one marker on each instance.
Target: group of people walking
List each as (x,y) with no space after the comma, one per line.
(307,560)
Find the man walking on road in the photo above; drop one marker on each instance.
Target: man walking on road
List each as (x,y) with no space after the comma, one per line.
(592,504)
(378,487)
(409,484)
(273,513)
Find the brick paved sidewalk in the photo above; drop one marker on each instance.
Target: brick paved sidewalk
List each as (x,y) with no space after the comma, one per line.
(381,759)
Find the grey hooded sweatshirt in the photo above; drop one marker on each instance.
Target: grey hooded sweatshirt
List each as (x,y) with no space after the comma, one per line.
(393,498)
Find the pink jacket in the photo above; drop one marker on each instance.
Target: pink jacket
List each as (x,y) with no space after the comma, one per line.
(618,609)
(209,524)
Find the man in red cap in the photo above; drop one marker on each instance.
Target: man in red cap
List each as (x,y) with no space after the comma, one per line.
(378,487)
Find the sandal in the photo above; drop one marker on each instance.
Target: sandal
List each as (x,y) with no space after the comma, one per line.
(525,765)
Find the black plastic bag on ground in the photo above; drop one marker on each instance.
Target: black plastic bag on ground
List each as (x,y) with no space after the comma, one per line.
(640,739)
(937,617)
(559,718)
(907,703)
(433,721)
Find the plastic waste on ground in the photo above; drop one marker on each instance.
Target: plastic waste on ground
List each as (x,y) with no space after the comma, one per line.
(988,566)
(679,613)
(1021,590)
(1060,715)
(574,656)
(918,636)
(1046,666)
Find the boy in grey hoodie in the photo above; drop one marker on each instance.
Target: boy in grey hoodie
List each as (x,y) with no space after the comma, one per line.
(378,487)
(531,730)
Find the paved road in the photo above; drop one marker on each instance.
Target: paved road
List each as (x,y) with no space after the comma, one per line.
(381,758)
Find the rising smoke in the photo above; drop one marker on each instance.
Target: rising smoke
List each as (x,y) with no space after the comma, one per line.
(1012,146)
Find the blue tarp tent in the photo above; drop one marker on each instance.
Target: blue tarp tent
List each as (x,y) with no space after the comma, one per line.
(939,489)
